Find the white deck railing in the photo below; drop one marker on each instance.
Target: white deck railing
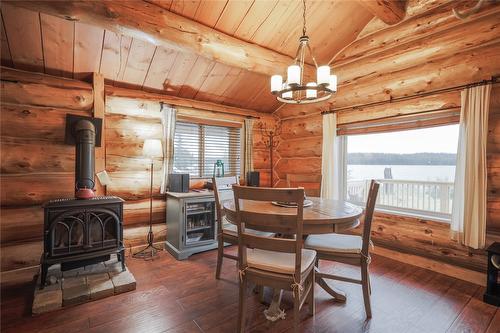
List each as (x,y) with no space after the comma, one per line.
(421,197)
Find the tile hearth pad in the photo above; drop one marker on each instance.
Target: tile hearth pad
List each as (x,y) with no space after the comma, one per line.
(81,285)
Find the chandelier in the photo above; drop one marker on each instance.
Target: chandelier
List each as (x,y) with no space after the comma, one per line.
(293,90)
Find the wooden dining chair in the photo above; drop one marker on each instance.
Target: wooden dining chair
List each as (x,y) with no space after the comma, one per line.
(274,262)
(349,249)
(311,183)
(226,231)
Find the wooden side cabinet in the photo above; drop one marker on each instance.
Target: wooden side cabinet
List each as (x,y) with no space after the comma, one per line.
(191,224)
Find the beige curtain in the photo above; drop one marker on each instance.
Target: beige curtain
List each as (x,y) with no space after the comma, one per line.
(332,161)
(248,147)
(169,116)
(468,220)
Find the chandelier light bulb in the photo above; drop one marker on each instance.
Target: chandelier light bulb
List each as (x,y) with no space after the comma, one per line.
(293,74)
(276,83)
(323,75)
(311,93)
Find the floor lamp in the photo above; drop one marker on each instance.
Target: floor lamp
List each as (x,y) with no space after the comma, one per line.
(152,149)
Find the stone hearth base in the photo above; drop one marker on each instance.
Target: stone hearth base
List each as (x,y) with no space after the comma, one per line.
(81,285)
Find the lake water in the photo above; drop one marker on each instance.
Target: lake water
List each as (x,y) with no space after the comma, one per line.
(441,173)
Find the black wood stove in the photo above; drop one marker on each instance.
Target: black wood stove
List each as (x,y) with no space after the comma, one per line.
(86,229)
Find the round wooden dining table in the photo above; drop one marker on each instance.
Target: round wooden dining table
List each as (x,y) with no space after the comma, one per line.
(322,217)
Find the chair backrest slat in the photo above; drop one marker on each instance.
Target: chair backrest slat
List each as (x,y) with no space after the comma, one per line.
(268,243)
(369,210)
(224,195)
(260,220)
(269,194)
(229,180)
(273,222)
(223,192)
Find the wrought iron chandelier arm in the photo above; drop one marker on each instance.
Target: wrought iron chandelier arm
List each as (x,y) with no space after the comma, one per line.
(312,55)
(297,54)
(301,82)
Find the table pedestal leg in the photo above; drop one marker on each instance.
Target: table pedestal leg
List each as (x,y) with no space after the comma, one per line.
(274,312)
(338,296)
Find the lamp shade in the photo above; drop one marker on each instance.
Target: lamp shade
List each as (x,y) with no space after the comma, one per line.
(152,148)
(333,83)
(311,93)
(293,74)
(323,74)
(276,83)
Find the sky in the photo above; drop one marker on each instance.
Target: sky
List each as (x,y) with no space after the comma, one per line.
(443,139)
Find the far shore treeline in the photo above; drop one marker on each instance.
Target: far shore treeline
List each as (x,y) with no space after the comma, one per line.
(402,159)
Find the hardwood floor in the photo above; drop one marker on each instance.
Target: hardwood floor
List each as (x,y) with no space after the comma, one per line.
(174,296)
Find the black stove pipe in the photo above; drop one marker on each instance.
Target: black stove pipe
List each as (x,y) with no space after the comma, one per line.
(85,159)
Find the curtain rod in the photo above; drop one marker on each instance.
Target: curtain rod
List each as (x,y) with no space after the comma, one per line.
(493,80)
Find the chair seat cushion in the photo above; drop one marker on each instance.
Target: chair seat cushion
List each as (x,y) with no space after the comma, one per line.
(231,229)
(334,243)
(279,262)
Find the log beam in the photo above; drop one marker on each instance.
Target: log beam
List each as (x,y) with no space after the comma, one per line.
(152,23)
(389,11)
(412,30)
(113,91)
(27,88)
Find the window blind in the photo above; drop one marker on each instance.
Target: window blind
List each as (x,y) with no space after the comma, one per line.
(401,123)
(197,147)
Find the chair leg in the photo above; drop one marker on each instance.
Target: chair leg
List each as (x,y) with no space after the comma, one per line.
(365,281)
(369,284)
(220,255)
(312,304)
(261,293)
(296,310)
(242,305)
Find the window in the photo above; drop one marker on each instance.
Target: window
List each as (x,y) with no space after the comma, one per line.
(198,146)
(415,167)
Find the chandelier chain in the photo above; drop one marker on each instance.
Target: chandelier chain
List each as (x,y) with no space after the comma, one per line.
(304,19)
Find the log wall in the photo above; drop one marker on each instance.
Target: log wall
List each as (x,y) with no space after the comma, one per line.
(493,151)
(129,121)
(301,153)
(426,52)
(37,166)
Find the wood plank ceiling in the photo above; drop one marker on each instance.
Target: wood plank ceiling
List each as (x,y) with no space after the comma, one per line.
(38,42)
